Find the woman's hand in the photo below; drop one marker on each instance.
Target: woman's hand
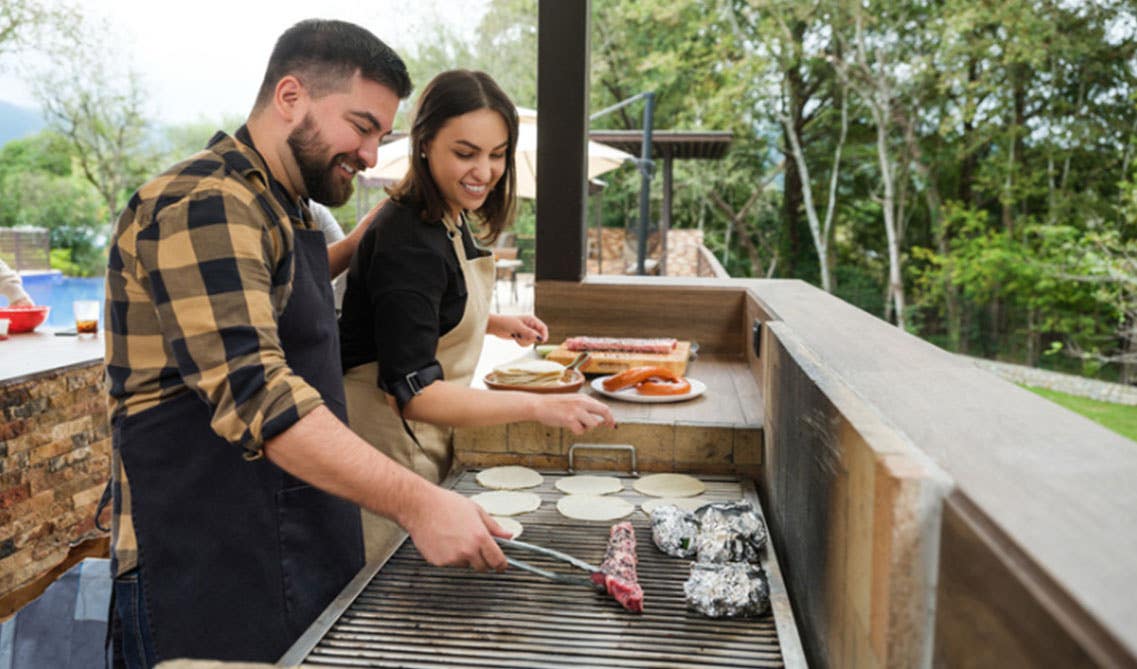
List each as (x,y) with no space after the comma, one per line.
(573,411)
(525,330)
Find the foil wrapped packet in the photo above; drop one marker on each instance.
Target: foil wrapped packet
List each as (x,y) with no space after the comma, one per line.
(729,532)
(729,589)
(674,531)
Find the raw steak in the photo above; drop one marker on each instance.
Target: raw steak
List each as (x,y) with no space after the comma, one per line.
(618,571)
(621,344)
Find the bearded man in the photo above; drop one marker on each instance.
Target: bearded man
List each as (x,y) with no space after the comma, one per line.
(236,484)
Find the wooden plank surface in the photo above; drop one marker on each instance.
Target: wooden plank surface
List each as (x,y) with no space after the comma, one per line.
(1059,486)
(706,311)
(720,432)
(732,399)
(723,404)
(988,613)
(854,508)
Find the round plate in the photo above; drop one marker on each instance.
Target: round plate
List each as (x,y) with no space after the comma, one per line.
(569,383)
(631,395)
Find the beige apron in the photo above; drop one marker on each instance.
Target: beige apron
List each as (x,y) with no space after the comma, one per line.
(371,414)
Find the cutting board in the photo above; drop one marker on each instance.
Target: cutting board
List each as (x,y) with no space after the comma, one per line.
(611,362)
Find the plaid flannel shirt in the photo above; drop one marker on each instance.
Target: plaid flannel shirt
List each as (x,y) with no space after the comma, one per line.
(199,270)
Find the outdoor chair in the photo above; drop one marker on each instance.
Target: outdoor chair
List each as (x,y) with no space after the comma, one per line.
(506,263)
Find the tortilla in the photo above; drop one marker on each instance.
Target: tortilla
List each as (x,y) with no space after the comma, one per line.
(529,372)
(511,477)
(507,502)
(510,525)
(594,507)
(669,485)
(586,484)
(684,503)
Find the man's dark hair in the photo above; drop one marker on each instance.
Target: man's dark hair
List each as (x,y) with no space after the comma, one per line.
(324,55)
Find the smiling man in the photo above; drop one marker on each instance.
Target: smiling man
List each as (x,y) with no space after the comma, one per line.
(235,483)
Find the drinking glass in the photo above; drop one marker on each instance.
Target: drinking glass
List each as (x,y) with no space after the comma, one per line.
(86,317)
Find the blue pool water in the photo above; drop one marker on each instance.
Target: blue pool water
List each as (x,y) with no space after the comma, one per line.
(58,292)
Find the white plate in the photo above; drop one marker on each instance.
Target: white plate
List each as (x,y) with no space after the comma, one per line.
(630,394)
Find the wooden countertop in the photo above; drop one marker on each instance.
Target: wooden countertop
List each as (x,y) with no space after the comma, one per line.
(28,354)
(732,398)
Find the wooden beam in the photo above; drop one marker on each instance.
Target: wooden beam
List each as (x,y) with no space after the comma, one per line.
(562,138)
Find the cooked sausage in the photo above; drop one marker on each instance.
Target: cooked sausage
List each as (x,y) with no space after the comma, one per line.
(635,375)
(664,387)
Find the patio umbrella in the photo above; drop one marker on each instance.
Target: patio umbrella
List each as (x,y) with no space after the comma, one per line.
(394,157)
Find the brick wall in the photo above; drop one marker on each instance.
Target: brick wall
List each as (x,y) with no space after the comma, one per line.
(54,460)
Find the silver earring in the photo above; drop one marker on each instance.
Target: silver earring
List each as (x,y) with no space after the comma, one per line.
(422,155)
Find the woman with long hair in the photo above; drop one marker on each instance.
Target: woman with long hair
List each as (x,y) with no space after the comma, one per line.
(417,305)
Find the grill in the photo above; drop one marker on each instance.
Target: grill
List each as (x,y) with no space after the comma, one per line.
(403,612)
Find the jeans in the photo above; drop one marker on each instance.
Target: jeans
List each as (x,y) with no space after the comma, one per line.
(132,642)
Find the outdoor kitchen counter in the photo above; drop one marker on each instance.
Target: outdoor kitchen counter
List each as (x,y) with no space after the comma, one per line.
(26,355)
(718,432)
(55,451)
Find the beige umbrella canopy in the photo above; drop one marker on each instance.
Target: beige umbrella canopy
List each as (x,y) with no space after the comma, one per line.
(394,158)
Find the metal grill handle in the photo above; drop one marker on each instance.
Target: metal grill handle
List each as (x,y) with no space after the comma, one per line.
(603,447)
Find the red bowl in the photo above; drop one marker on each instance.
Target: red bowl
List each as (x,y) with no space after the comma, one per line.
(24,319)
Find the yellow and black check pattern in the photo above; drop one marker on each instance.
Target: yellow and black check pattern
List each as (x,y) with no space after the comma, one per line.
(198,272)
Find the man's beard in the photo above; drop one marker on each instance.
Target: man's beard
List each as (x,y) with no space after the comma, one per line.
(319,174)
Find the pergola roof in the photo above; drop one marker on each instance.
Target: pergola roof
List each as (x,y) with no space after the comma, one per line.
(699,144)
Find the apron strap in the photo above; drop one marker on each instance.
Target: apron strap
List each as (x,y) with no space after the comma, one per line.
(103,501)
(406,388)
(412,384)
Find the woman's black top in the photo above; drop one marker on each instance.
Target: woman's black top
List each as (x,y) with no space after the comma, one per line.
(405,289)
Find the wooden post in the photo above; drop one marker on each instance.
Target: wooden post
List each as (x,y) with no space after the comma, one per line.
(562,138)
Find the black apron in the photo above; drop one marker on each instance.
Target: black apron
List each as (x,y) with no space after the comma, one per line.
(237,558)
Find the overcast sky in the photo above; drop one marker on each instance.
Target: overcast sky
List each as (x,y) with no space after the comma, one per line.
(204,59)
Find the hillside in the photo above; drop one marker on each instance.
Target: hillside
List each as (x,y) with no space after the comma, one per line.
(17,122)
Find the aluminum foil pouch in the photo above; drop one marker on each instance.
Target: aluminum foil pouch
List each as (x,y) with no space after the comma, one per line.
(729,589)
(674,531)
(729,532)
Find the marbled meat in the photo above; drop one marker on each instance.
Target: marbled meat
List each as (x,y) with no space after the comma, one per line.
(622,344)
(618,571)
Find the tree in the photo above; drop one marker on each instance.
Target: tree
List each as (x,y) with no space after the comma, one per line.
(507,48)
(45,151)
(869,68)
(782,34)
(27,25)
(99,109)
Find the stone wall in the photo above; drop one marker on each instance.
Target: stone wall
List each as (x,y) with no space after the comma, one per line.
(54,461)
(616,254)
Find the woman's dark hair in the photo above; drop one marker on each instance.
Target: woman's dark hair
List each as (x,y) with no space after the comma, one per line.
(325,54)
(448,95)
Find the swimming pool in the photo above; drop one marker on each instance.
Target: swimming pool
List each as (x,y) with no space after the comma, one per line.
(58,292)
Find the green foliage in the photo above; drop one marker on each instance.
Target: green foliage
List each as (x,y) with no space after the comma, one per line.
(30,25)
(181,141)
(1121,418)
(83,260)
(98,106)
(46,151)
(1010,137)
(41,199)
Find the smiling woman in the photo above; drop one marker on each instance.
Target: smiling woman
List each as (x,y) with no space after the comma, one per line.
(417,305)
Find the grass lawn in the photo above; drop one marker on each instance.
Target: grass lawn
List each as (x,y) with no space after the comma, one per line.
(1121,418)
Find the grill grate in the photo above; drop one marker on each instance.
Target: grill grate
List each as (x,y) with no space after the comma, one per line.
(411,614)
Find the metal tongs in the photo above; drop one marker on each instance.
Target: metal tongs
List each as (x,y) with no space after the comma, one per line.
(573,579)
